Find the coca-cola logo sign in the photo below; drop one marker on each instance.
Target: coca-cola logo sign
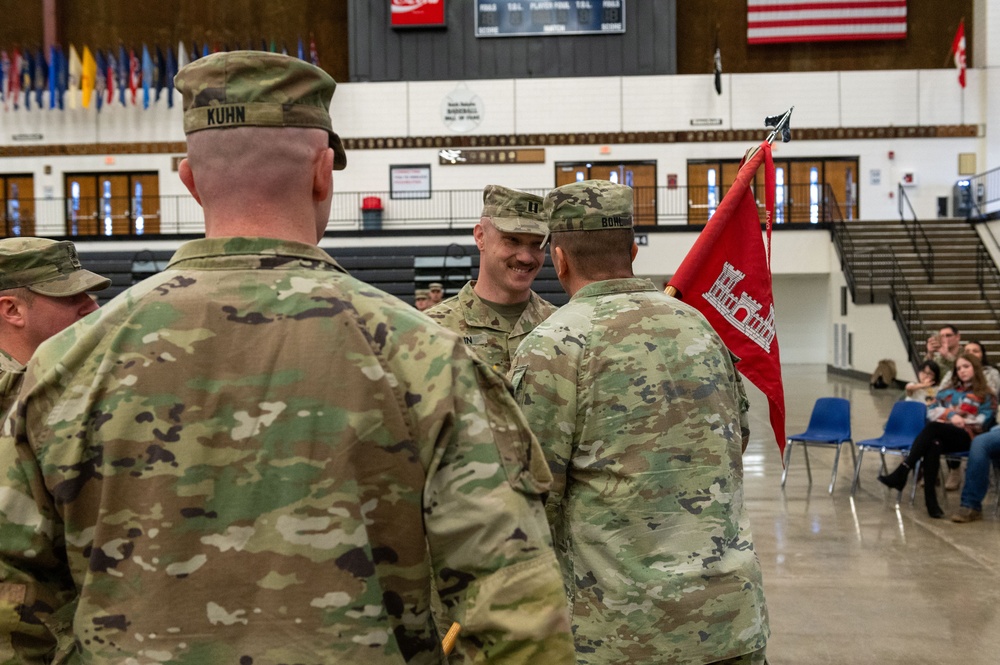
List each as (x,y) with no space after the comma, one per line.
(417,13)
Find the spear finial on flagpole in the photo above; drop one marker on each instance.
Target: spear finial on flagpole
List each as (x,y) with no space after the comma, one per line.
(781,123)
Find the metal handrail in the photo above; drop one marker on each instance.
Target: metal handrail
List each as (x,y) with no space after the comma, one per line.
(986,271)
(983,189)
(844,244)
(349,211)
(877,269)
(924,249)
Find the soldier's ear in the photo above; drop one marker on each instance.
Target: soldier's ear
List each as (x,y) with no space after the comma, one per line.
(11,311)
(187,177)
(323,175)
(635,251)
(478,232)
(559,263)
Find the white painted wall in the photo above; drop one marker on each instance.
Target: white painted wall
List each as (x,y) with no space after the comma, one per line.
(620,104)
(806,274)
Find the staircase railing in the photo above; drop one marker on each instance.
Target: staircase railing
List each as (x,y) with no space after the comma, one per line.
(918,238)
(988,279)
(906,312)
(878,271)
(979,192)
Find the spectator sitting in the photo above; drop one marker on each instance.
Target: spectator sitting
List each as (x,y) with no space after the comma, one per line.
(984,451)
(944,347)
(926,386)
(962,409)
(954,480)
(991,373)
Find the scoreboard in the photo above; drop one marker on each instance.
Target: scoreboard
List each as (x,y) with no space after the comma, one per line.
(549,17)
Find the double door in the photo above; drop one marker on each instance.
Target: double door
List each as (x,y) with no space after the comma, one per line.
(806,190)
(640,176)
(112,204)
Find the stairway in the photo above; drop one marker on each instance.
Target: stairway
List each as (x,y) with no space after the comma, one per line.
(953,296)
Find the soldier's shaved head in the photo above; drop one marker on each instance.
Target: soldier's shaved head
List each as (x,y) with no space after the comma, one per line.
(266,180)
(598,255)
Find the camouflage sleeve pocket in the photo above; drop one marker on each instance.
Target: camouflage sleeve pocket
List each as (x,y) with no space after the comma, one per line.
(520,454)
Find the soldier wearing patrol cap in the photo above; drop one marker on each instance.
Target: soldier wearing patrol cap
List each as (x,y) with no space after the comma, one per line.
(421,300)
(43,289)
(494,312)
(252,457)
(641,415)
(435,291)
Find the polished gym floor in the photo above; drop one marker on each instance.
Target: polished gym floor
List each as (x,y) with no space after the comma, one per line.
(857,580)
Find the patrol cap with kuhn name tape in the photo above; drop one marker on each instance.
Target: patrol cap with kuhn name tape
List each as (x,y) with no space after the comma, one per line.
(257,89)
(514,211)
(588,205)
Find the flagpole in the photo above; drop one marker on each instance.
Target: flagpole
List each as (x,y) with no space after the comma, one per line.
(780,125)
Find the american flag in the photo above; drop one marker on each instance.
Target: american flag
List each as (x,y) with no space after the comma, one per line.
(778,21)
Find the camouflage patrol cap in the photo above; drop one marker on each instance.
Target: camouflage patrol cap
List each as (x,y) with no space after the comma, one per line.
(421,294)
(435,286)
(47,267)
(513,211)
(257,89)
(588,205)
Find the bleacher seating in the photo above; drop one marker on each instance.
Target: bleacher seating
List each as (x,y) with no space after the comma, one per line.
(394,269)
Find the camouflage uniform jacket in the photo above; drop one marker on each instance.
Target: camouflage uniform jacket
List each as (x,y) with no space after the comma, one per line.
(490,335)
(11,375)
(635,401)
(253,457)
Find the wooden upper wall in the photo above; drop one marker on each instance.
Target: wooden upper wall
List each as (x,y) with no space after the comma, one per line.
(673,38)
(930,29)
(232,23)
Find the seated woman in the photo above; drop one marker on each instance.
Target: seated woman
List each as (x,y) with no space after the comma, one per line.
(925,387)
(961,410)
(992,375)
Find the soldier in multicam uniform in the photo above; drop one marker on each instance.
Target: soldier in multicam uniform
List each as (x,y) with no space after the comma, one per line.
(421,300)
(435,292)
(637,406)
(253,458)
(495,312)
(43,289)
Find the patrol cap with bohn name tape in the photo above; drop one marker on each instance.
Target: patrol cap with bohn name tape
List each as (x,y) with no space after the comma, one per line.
(587,205)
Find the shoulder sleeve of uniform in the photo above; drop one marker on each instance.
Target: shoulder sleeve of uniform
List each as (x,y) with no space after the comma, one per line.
(544,374)
(35,588)
(495,569)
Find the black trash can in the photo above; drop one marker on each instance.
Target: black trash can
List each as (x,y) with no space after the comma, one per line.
(371,213)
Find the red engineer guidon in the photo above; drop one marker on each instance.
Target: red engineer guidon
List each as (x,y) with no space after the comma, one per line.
(727,277)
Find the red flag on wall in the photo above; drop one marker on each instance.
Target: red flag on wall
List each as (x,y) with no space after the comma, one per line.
(727,277)
(958,50)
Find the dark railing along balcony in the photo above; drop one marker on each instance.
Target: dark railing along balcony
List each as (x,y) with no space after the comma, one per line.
(442,209)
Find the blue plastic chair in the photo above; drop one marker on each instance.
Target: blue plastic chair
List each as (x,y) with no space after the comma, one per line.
(829,425)
(906,420)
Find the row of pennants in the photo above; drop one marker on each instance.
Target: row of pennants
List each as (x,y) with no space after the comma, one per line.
(72,78)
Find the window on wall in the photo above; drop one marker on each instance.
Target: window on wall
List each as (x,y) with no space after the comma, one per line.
(712,194)
(112,204)
(17,205)
(779,195)
(813,195)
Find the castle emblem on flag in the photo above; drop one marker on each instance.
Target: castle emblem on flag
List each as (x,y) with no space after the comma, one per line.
(743,312)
